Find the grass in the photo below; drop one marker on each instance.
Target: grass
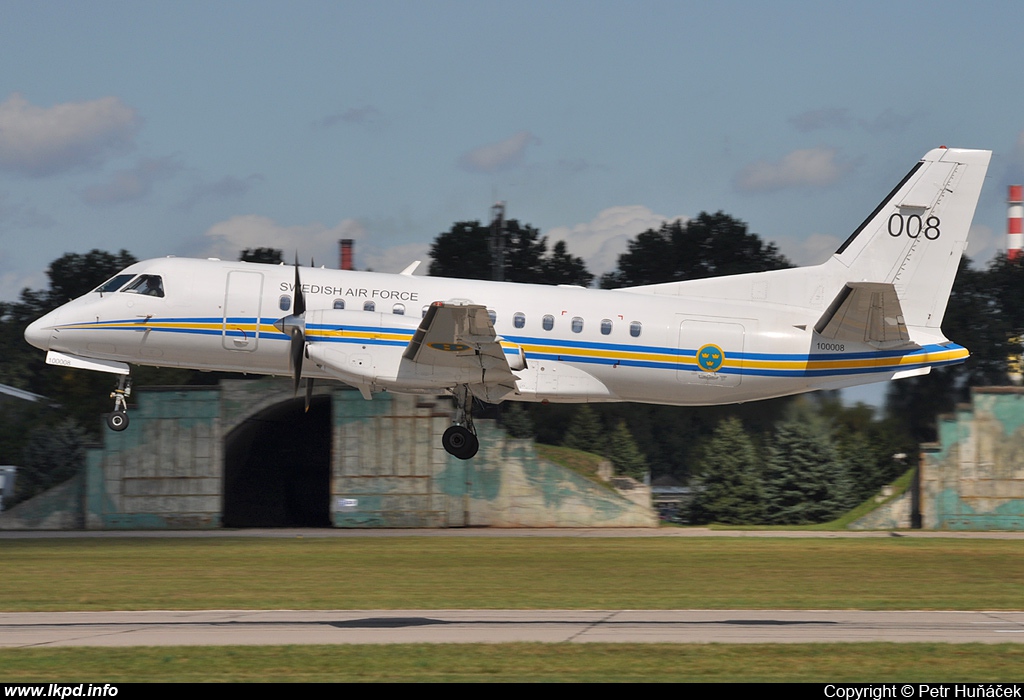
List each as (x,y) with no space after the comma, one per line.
(833,663)
(511,573)
(583,463)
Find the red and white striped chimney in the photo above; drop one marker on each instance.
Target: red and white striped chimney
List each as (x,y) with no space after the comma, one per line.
(346,245)
(1015,222)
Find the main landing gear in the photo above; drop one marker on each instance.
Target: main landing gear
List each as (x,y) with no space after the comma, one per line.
(118,420)
(460,439)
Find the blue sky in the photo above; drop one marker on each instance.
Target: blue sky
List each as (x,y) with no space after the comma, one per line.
(199,129)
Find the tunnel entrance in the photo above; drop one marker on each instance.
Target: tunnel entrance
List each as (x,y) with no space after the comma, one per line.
(277,467)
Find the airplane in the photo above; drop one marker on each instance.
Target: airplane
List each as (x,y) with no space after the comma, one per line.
(870,313)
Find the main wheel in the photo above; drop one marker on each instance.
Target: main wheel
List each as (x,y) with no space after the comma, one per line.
(117,421)
(460,442)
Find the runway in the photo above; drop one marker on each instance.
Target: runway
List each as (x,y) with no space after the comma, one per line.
(250,627)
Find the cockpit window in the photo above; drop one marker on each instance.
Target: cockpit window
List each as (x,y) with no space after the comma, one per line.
(113,284)
(150,285)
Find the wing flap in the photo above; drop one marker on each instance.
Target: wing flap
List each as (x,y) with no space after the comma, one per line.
(461,336)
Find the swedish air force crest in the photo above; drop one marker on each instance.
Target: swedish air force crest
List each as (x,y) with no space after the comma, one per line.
(710,358)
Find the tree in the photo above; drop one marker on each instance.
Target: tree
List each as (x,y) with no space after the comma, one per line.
(728,488)
(52,455)
(562,268)
(517,421)
(585,431)
(464,251)
(625,456)
(804,479)
(708,246)
(866,445)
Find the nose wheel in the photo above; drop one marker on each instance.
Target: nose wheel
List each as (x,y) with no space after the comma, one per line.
(118,420)
(460,439)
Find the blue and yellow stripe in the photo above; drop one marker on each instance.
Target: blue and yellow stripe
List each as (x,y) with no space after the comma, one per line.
(789,365)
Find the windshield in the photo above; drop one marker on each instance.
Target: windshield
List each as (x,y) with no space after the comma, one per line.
(150,285)
(114,283)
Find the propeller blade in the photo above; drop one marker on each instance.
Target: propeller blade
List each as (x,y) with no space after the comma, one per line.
(309,392)
(299,305)
(295,353)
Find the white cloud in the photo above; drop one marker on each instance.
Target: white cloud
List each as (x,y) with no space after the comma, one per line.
(813,250)
(809,167)
(499,155)
(602,240)
(40,141)
(132,184)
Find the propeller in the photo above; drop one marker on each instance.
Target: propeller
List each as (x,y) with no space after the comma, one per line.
(294,326)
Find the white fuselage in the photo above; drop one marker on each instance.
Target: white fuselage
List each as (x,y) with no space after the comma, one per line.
(580,344)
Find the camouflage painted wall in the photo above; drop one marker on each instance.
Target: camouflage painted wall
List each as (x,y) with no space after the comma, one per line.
(387,469)
(973,477)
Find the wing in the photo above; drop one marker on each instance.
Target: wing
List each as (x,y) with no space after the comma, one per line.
(462,336)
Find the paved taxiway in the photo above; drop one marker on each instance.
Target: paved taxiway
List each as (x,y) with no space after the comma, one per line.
(220,627)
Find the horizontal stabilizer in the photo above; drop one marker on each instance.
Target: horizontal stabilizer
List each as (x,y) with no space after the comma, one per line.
(865,312)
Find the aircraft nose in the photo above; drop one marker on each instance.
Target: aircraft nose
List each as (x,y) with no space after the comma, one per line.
(39,332)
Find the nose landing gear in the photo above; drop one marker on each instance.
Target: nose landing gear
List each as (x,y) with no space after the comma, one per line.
(460,439)
(118,420)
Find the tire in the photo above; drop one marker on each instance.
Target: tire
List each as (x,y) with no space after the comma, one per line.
(117,421)
(459,442)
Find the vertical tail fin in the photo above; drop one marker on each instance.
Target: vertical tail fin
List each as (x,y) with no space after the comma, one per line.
(915,238)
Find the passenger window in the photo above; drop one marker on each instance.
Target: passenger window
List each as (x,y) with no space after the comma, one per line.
(577,324)
(150,285)
(424,314)
(634,329)
(113,284)
(519,319)
(369,306)
(398,309)
(339,303)
(493,316)
(606,326)
(285,302)
(548,322)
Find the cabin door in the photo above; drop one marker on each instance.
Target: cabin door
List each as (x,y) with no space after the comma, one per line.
(242,300)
